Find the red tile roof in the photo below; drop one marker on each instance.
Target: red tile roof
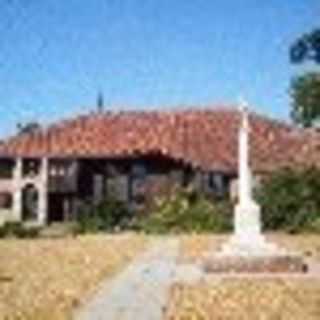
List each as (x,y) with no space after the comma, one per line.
(203,138)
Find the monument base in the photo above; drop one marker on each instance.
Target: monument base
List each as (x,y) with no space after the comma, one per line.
(253,254)
(253,244)
(255,264)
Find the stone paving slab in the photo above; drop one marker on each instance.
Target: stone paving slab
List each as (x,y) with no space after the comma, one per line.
(141,291)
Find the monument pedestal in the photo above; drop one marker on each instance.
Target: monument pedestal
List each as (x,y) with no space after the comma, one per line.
(248,238)
(248,251)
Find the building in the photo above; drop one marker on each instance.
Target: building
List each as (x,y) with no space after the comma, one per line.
(46,174)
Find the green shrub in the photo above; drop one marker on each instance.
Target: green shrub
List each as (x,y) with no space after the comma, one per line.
(87,220)
(60,230)
(88,224)
(12,229)
(109,215)
(18,230)
(114,214)
(290,199)
(2,232)
(187,211)
(28,232)
(314,226)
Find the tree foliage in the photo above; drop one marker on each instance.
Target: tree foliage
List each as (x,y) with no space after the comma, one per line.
(305,89)
(187,211)
(305,93)
(307,47)
(290,200)
(109,215)
(28,127)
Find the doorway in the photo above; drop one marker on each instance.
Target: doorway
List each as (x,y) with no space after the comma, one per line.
(30,201)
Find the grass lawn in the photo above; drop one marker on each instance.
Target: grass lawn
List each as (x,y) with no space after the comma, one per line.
(194,247)
(246,298)
(47,278)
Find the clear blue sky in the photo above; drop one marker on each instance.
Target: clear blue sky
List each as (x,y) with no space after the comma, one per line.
(56,54)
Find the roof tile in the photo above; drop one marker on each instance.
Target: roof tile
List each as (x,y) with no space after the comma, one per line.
(205,138)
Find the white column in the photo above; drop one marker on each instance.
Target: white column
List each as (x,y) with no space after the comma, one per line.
(245,193)
(17,193)
(247,238)
(247,212)
(43,192)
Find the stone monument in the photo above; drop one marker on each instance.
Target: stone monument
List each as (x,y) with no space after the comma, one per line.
(247,249)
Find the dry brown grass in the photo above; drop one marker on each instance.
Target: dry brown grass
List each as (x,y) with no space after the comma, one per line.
(246,298)
(306,244)
(194,247)
(46,279)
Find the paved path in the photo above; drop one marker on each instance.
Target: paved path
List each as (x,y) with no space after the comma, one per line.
(141,291)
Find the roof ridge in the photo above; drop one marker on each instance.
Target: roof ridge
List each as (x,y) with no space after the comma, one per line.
(176,110)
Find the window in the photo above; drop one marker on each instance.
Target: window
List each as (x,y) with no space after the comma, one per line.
(31,167)
(6,169)
(98,188)
(5,200)
(30,199)
(59,168)
(112,170)
(188,177)
(139,171)
(217,183)
(137,182)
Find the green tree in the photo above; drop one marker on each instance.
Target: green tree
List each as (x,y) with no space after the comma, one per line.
(305,93)
(290,200)
(307,47)
(305,89)
(28,127)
